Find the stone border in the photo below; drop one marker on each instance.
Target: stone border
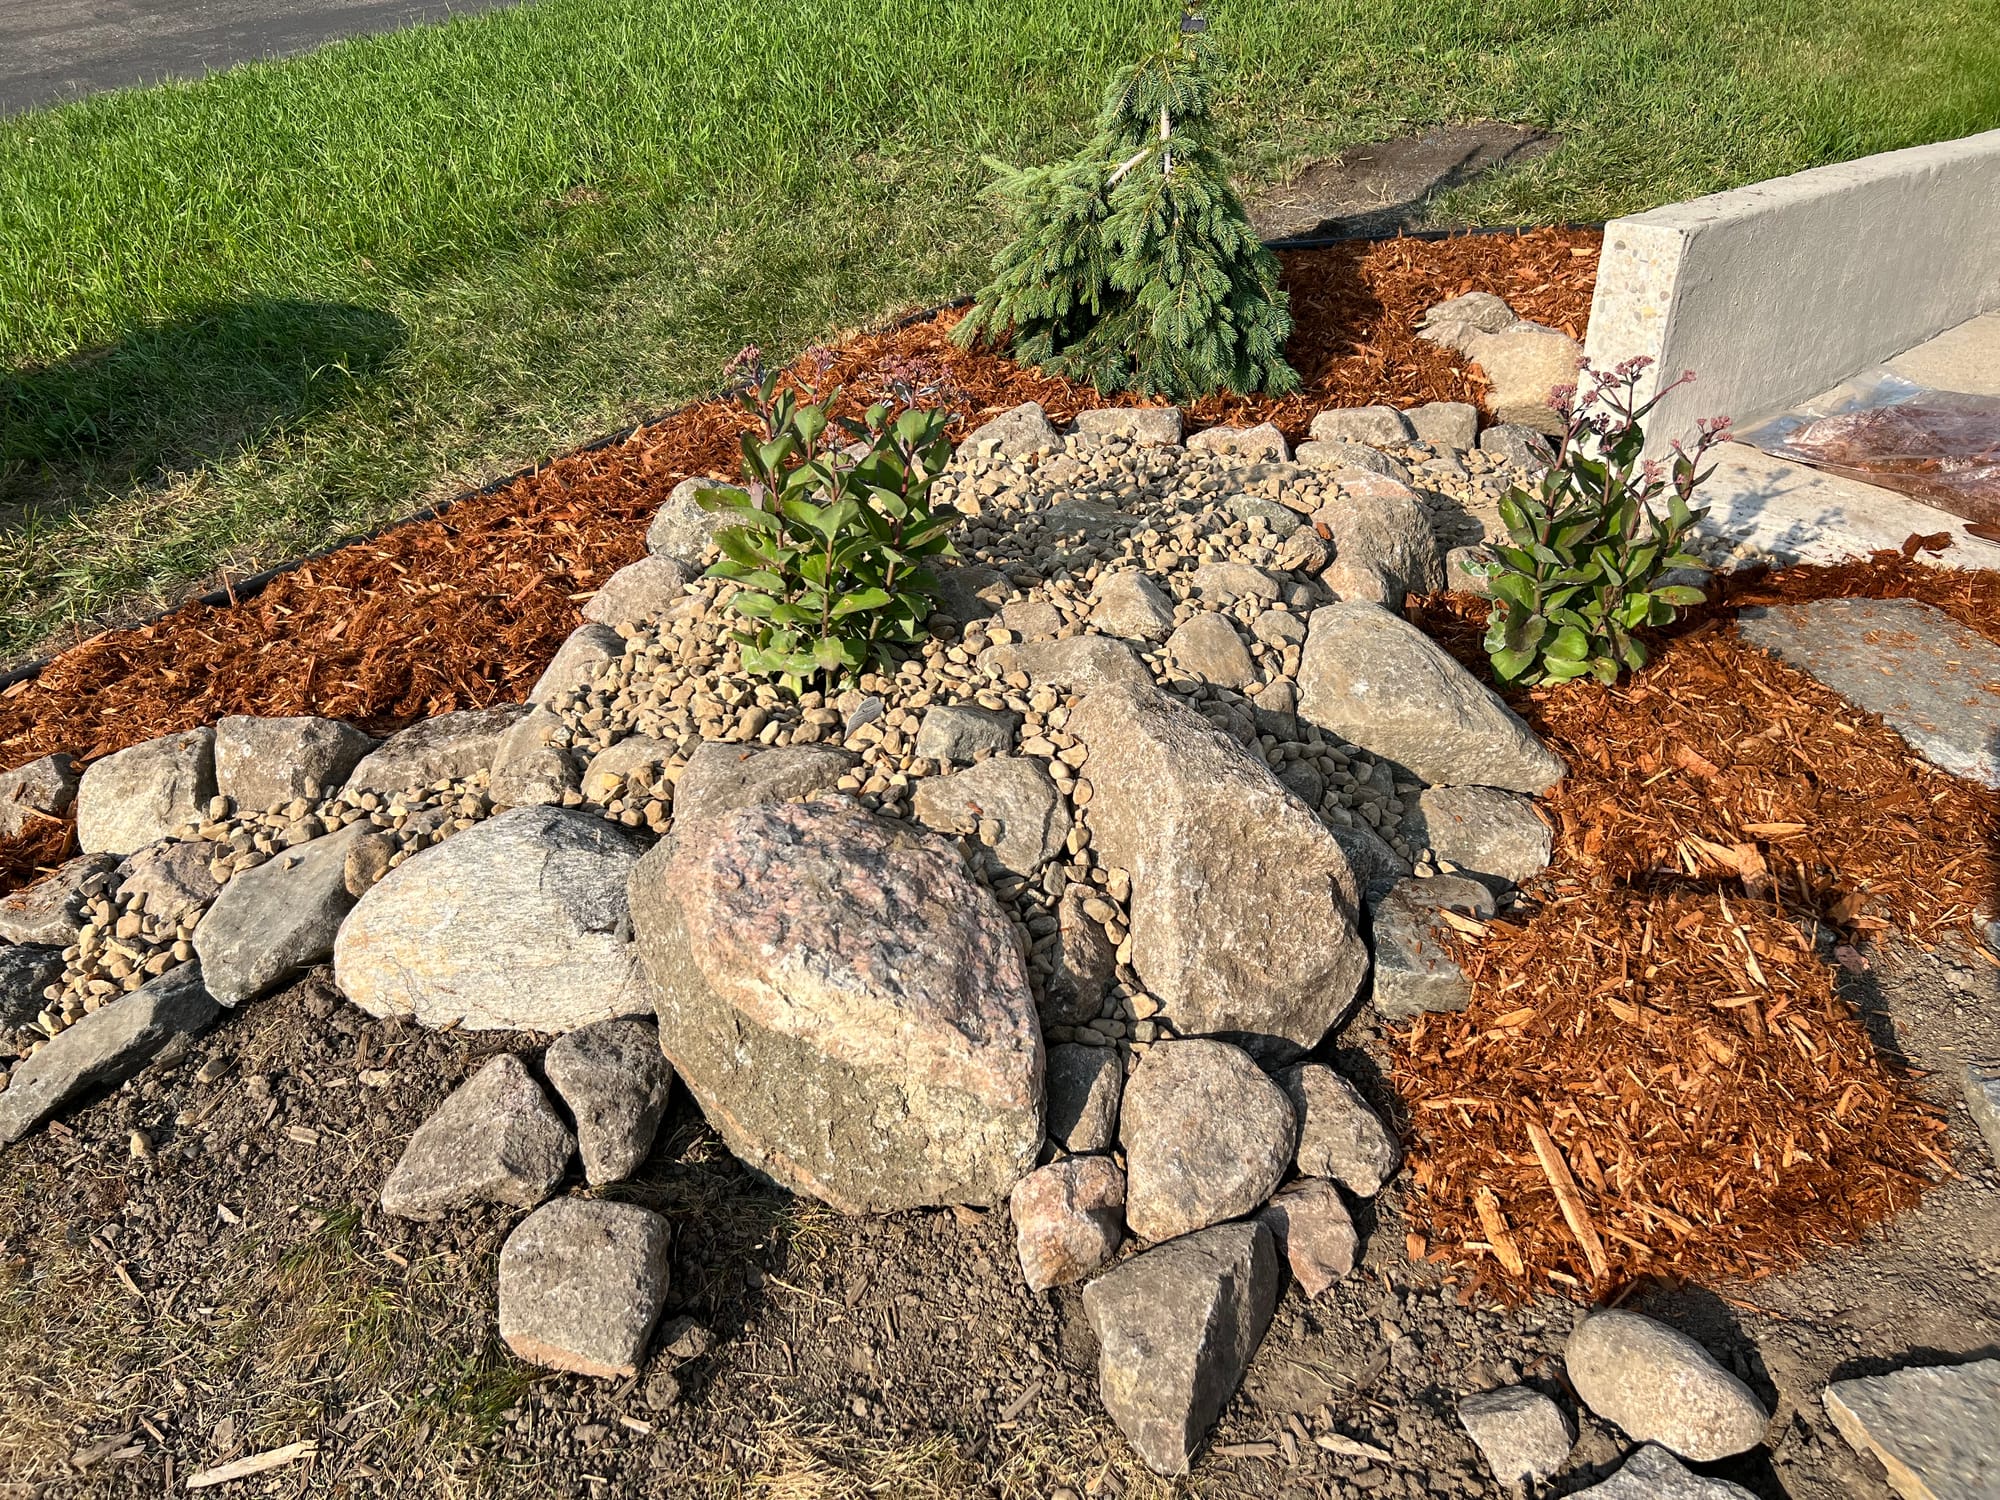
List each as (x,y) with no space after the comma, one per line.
(1780,290)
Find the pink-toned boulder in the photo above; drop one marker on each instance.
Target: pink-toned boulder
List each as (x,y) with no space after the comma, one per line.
(1313,1232)
(1069,1219)
(847,1006)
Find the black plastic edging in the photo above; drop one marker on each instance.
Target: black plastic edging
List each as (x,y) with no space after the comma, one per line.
(234,593)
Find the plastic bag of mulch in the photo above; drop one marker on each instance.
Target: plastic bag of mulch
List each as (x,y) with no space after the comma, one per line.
(1940,447)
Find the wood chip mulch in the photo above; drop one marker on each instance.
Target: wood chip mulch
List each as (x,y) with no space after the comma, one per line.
(464,611)
(1656,1076)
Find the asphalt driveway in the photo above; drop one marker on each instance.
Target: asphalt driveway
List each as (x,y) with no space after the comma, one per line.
(56,50)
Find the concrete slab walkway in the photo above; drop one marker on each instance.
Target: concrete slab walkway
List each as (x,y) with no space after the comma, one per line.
(52,51)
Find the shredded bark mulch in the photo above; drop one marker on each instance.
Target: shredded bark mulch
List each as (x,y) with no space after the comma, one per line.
(1658,1075)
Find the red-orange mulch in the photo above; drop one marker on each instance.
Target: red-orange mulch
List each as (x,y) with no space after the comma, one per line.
(1707,1103)
(465,610)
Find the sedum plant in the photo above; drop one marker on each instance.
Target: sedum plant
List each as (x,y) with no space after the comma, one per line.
(1135,267)
(1581,573)
(830,540)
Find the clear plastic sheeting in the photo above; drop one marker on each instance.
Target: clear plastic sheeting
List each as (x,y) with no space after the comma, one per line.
(1940,447)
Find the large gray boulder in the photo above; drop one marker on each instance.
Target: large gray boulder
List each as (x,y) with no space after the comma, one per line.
(1015,433)
(1339,1137)
(54,909)
(1243,904)
(1936,1430)
(530,767)
(638,593)
(962,733)
(616,1084)
(1207,648)
(39,790)
(1006,802)
(260,763)
(583,652)
(1315,1235)
(1381,524)
(1207,1137)
(1243,445)
(1482,830)
(1176,1328)
(1378,681)
(1146,426)
(106,1047)
(517,924)
(495,1139)
(721,778)
(1653,1474)
(137,796)
(1125,602)
(1662,1387)
(847,1006)
(681,529)
(277,918)
(452,747)
(1075,664)
(1377,426)
(581,1285)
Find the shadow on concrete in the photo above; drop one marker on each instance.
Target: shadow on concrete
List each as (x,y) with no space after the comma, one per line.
(194,391)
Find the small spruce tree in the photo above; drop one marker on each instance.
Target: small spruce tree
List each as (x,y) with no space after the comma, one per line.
(1135,268)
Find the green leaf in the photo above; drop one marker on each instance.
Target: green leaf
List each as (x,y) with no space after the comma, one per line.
(1569,645)
(860,600)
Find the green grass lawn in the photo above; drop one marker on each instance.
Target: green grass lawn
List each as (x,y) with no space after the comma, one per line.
(241,317)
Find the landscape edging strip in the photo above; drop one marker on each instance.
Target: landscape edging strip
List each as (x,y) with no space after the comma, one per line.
(230,595)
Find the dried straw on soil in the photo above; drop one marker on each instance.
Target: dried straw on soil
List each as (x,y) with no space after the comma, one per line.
(464,611)
(1656,1075)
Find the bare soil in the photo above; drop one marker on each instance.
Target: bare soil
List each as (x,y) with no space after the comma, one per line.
(235,1289)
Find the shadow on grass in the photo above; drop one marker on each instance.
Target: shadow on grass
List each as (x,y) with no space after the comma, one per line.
(178,395)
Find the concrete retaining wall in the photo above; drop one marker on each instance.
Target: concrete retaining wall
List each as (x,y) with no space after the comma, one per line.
(1777,292)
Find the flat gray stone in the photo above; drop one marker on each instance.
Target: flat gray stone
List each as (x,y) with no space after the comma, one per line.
(1015,433)
(1451,425)
(1207,648)
(1377,426)
(1243,909)
(1357,458)
(42,788)
(1381,683)
(1520,1433)
(1031,619)
(1147,426)
(583,651)
(681,530)
(1125,602)
(106,1047)
(495,1139)
(260,762)
(638,593)
(137,796)
(1934,682)
(54,909)
(1006,802)
(1076,664)
(1482,830)
(1315,1235)
(1084,1087)
(1653,1474)
(1068,1218)
(449,747)
(1207,1137)
(582,1283)
(972,591)
(1340,1137)
(1227,582)
(1243,445)
(1176,1328)
(517,924)
(1414,970)
(277,918)
(1662,1387)
(1936,1429)
(961,732)
(616,1083)
(1982,1098)
(1523,447)
(169,880)
(847,1006)
(720,779)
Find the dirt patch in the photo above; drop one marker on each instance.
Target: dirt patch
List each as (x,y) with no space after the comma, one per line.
(1386,186)
(465,610)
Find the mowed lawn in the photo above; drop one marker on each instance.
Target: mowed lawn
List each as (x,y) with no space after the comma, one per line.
(242,317)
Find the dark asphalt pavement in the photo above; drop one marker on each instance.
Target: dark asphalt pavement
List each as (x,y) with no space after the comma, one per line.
(56,50)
